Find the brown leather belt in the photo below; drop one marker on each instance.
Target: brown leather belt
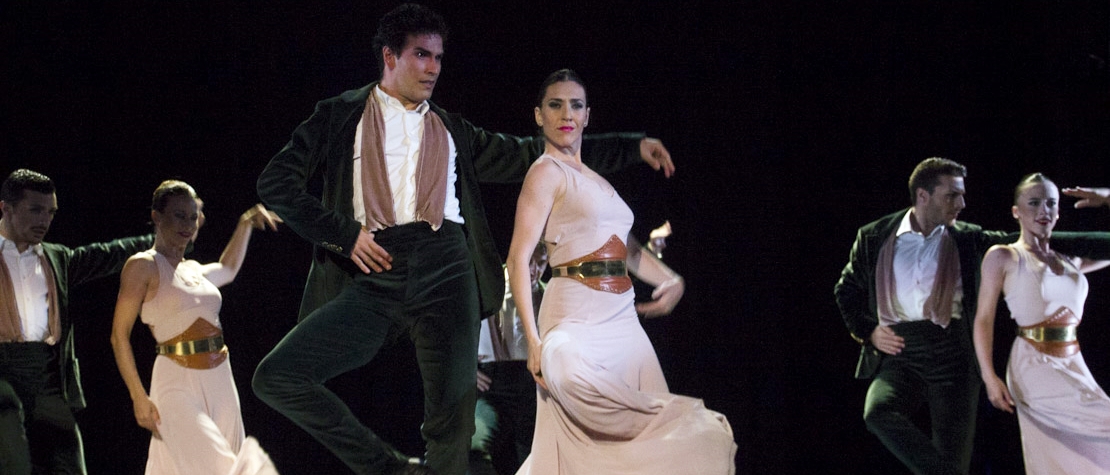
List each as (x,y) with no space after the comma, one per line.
(603,269)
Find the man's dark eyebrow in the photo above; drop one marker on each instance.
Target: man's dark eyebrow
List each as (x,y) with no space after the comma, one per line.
(422,50)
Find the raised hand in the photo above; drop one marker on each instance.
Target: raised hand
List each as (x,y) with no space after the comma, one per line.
(656,155)
(1088,197)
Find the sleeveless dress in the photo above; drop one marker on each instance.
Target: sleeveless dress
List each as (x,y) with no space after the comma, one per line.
(202,427)
(609,410)
(1063,414)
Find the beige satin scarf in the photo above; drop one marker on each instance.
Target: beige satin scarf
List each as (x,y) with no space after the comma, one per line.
(431,170)
(11,327)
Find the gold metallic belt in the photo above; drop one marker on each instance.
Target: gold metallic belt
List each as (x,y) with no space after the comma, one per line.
(192,347)
(1046,334)
(591,269)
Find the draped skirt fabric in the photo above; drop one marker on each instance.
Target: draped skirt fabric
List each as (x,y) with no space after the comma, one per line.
(1064,415)
(609,410)
(202,427)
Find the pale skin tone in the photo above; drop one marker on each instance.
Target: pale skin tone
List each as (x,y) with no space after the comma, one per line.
(1036,210)
(562,115)
(930,209)
(174,228)
(410,77)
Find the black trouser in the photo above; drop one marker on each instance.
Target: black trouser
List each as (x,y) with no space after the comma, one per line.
(935,368)
(38,433)
(506,418)
(431,295)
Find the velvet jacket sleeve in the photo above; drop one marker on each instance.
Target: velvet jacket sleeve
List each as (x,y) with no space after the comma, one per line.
(611,152)
(101,259)
(854,293)
(283,184)
(1090,245)
(503,158)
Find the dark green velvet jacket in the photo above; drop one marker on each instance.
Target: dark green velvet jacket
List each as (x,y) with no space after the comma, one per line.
(855,292)
(322,147)
(73,267)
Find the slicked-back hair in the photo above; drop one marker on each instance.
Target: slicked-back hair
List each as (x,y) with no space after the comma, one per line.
(927,174)
(169,189)
(23,179)
(1030,179)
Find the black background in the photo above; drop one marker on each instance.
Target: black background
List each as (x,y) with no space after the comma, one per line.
(792,123)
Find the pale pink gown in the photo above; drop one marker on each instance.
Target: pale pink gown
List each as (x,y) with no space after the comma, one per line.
(609,410)
(1064,415)
(202,427)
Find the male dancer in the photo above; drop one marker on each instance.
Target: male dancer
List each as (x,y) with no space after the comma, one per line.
(40,387)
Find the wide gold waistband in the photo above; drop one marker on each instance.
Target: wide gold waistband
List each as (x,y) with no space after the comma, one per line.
(192,347)
(1047,334)
(591,269)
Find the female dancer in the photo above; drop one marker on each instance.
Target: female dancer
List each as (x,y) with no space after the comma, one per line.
(192,411)
(1063,414)
(603,403)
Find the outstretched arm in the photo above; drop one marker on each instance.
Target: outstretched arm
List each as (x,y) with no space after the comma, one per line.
(222,272)
(96,260)
(612,152)
(994,268)
(503,158)
(135,280)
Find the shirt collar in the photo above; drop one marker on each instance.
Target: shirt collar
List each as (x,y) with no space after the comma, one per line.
(5,243)
(906,227)
(391,102)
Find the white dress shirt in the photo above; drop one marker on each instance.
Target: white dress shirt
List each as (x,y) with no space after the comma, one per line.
(915,270)
(31,294)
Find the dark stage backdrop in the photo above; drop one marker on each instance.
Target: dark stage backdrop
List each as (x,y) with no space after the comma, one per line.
(792,124)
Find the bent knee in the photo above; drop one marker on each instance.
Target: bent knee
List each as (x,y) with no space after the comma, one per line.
(269,380)
(877,419)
